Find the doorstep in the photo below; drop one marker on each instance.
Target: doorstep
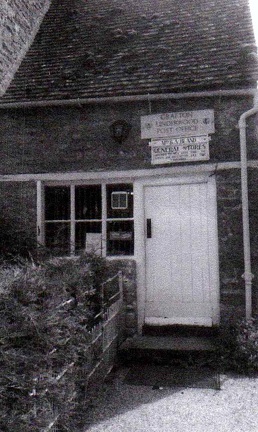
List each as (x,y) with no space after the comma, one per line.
(168,350)
(169,343)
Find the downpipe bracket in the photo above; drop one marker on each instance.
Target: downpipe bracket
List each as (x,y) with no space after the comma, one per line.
(248,277)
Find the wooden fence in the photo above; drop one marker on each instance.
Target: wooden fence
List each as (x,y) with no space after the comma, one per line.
(105,334)
(101,351)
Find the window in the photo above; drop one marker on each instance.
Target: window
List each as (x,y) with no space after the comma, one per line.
(96,218)
(57,217)
(119,200)
(120,225)
(88,219)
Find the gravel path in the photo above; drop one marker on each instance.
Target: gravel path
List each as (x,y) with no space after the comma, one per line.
(128,408)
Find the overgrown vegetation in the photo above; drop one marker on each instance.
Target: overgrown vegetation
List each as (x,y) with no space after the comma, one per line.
(46,311)
(238,347)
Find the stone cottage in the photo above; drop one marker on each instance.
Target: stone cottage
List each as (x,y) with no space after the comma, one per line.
(120,134)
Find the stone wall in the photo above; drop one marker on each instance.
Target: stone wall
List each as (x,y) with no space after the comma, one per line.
(231,259)
(230,228)
(18,213)
(253,212)
(61,139)
(19,23)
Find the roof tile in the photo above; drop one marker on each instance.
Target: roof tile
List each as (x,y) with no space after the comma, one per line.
(88,48)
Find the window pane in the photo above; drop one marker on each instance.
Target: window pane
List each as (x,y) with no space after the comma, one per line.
(119,201)
(88,202)
(120,238)
(88,237)
(58,238)
(57,203)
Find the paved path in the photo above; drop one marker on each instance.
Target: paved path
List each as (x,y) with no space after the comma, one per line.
(128,408)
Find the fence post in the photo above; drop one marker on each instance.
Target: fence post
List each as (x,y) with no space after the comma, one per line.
(121,329)
(120,282)
(102,316)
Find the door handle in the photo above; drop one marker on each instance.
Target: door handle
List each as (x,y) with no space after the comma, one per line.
(149,234)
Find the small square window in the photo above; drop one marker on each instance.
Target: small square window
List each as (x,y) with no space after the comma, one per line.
(119,200)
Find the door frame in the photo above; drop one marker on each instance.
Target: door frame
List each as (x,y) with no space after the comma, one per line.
(140,237)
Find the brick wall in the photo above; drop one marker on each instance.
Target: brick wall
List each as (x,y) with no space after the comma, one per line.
(19,22)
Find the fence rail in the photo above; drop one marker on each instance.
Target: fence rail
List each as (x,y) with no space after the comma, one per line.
(102,348)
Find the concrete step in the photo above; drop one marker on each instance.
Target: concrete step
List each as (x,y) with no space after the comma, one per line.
(166,348)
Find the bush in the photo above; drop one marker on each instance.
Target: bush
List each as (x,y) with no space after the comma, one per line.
(239,346)
(45,314)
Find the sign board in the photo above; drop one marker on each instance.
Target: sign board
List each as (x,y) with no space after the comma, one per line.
(178,124)
(174,141)
(184,149)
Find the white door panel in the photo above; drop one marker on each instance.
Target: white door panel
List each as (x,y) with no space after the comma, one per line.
(178,257)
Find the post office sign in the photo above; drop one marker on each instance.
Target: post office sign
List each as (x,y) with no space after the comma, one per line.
(178,124)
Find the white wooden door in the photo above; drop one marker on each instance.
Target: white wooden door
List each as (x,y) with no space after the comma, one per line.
(181,255)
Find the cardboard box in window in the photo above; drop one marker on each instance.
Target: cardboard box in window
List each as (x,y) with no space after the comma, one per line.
(93,243)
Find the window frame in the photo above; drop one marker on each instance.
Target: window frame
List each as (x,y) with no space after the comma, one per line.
(41,222)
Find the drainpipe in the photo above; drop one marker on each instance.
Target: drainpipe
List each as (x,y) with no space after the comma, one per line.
(248,276)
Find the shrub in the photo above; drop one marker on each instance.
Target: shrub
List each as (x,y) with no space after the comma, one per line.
(45,314)
(238,347)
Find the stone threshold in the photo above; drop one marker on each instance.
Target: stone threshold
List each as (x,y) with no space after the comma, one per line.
(169,344)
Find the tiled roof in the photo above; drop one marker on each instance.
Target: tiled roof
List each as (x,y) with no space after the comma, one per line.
(93,48)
